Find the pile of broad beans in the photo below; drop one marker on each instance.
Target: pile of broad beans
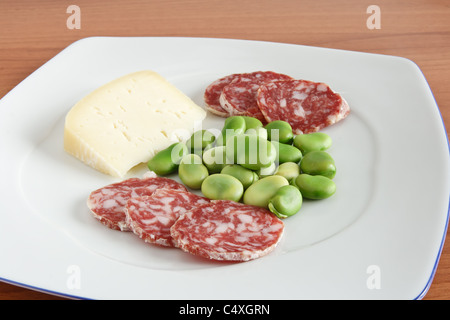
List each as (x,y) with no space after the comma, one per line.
(266,166)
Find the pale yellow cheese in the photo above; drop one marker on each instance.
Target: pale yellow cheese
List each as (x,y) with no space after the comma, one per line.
(127,121)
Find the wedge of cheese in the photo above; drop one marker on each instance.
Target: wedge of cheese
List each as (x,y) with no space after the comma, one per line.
(127,121)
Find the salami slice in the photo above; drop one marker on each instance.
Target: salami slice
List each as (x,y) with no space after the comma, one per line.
(307,106)
(150,217)
(227,230)
(107,204)
(212,95)
(239,97)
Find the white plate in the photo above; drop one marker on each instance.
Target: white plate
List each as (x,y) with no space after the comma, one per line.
(378,237)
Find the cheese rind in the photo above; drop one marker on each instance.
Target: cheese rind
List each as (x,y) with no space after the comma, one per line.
(127,121)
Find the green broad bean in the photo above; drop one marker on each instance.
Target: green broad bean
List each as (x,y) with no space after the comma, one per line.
(215,159)
(252,123)
(192,171)
(233,126)
(267,171)
(220,186)
(289,170)
(318,163)
(314,187)
(246,176)
(315,141)
(260,192)
(200,140)
(166,161)
(287,152)
(260,132)
(280,130)
(250,151)
(286,202)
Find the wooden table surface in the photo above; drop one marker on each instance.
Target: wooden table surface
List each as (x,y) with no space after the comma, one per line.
(32,32)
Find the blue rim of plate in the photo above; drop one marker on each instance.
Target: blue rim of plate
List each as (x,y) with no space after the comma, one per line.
(436,262)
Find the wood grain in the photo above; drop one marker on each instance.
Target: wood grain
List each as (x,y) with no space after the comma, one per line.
(32,32)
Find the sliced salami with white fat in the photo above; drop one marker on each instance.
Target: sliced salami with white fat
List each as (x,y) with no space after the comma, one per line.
(150,217)
(107,204)
(227,230)
(307,106)
(239,97)
(213,92)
